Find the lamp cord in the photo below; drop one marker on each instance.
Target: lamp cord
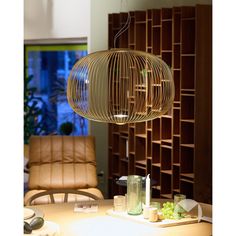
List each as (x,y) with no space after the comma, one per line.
(123,29)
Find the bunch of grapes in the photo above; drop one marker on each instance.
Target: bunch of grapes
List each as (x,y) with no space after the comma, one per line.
(168,211)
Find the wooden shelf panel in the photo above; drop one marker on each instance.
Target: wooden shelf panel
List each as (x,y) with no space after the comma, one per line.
(169,172)
(141,135)
(156,164)
(169,196)
(187,180)
(188,175)
(143,162)
(156,187)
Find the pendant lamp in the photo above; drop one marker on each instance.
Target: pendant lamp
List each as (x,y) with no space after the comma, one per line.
(120,86)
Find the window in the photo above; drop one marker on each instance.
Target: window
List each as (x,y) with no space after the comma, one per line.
(46,109)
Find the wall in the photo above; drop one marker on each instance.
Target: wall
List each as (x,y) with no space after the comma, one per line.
(52,19)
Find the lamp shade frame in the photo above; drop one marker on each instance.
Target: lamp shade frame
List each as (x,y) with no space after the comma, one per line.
(120,86)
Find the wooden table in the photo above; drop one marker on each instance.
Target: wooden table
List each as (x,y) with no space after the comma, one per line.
(100,224)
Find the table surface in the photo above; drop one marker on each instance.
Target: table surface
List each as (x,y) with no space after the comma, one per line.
(100,224)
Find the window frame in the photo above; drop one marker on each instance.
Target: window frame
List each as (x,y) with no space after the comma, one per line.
(82,43)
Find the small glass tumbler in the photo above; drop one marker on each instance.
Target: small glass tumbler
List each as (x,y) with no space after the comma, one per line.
(134,192)
(119,203)
(178,198)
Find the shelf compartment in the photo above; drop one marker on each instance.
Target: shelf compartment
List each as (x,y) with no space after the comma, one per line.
(140,128)
(124,168)
(149,144)
(156,129)
(176,121)
(156,192)
(110,135)
(156,174)
(110,161)
(140,41)
(167,58)
(124,147)
(156,37)
(165,184)
(149,34)
(177,23)
(156,17)
(187,72)
(186,160)
(176,177)
(166,13)
(187,107)
(156,91)
(176,150)
(140,147)
(140,95)
(115,128)
(149,15)
(149,166)
(177,85)
(123,39)
(123,128)
(131,140)
(156,153)
(187,12)
(140,16)
(140,171)
(188,36)
(165,128)
(115,164)
(131,31)
(186,188)
(176,56)
(166,158)
(166,39)
(131,169)
(113,187)
(187,133)
(115,142)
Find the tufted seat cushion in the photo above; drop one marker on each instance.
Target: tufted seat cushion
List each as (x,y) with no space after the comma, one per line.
(62,162)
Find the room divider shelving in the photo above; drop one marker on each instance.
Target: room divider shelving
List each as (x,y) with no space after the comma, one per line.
(175,149)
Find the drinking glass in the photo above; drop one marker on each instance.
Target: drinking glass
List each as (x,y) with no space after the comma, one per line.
(134,192)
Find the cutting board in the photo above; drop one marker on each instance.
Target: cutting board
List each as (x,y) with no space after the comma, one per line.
(162,223)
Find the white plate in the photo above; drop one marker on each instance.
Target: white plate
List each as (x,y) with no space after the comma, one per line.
(49,229)
(28,213)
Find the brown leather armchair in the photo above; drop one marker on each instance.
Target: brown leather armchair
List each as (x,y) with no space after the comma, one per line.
(62,163)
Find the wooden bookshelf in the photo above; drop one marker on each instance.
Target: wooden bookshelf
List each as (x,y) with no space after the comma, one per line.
(176,148)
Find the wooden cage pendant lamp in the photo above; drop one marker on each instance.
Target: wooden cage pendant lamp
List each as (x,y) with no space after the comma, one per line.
(120,86)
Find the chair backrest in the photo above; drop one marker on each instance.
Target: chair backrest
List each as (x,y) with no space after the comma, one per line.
(62,162)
